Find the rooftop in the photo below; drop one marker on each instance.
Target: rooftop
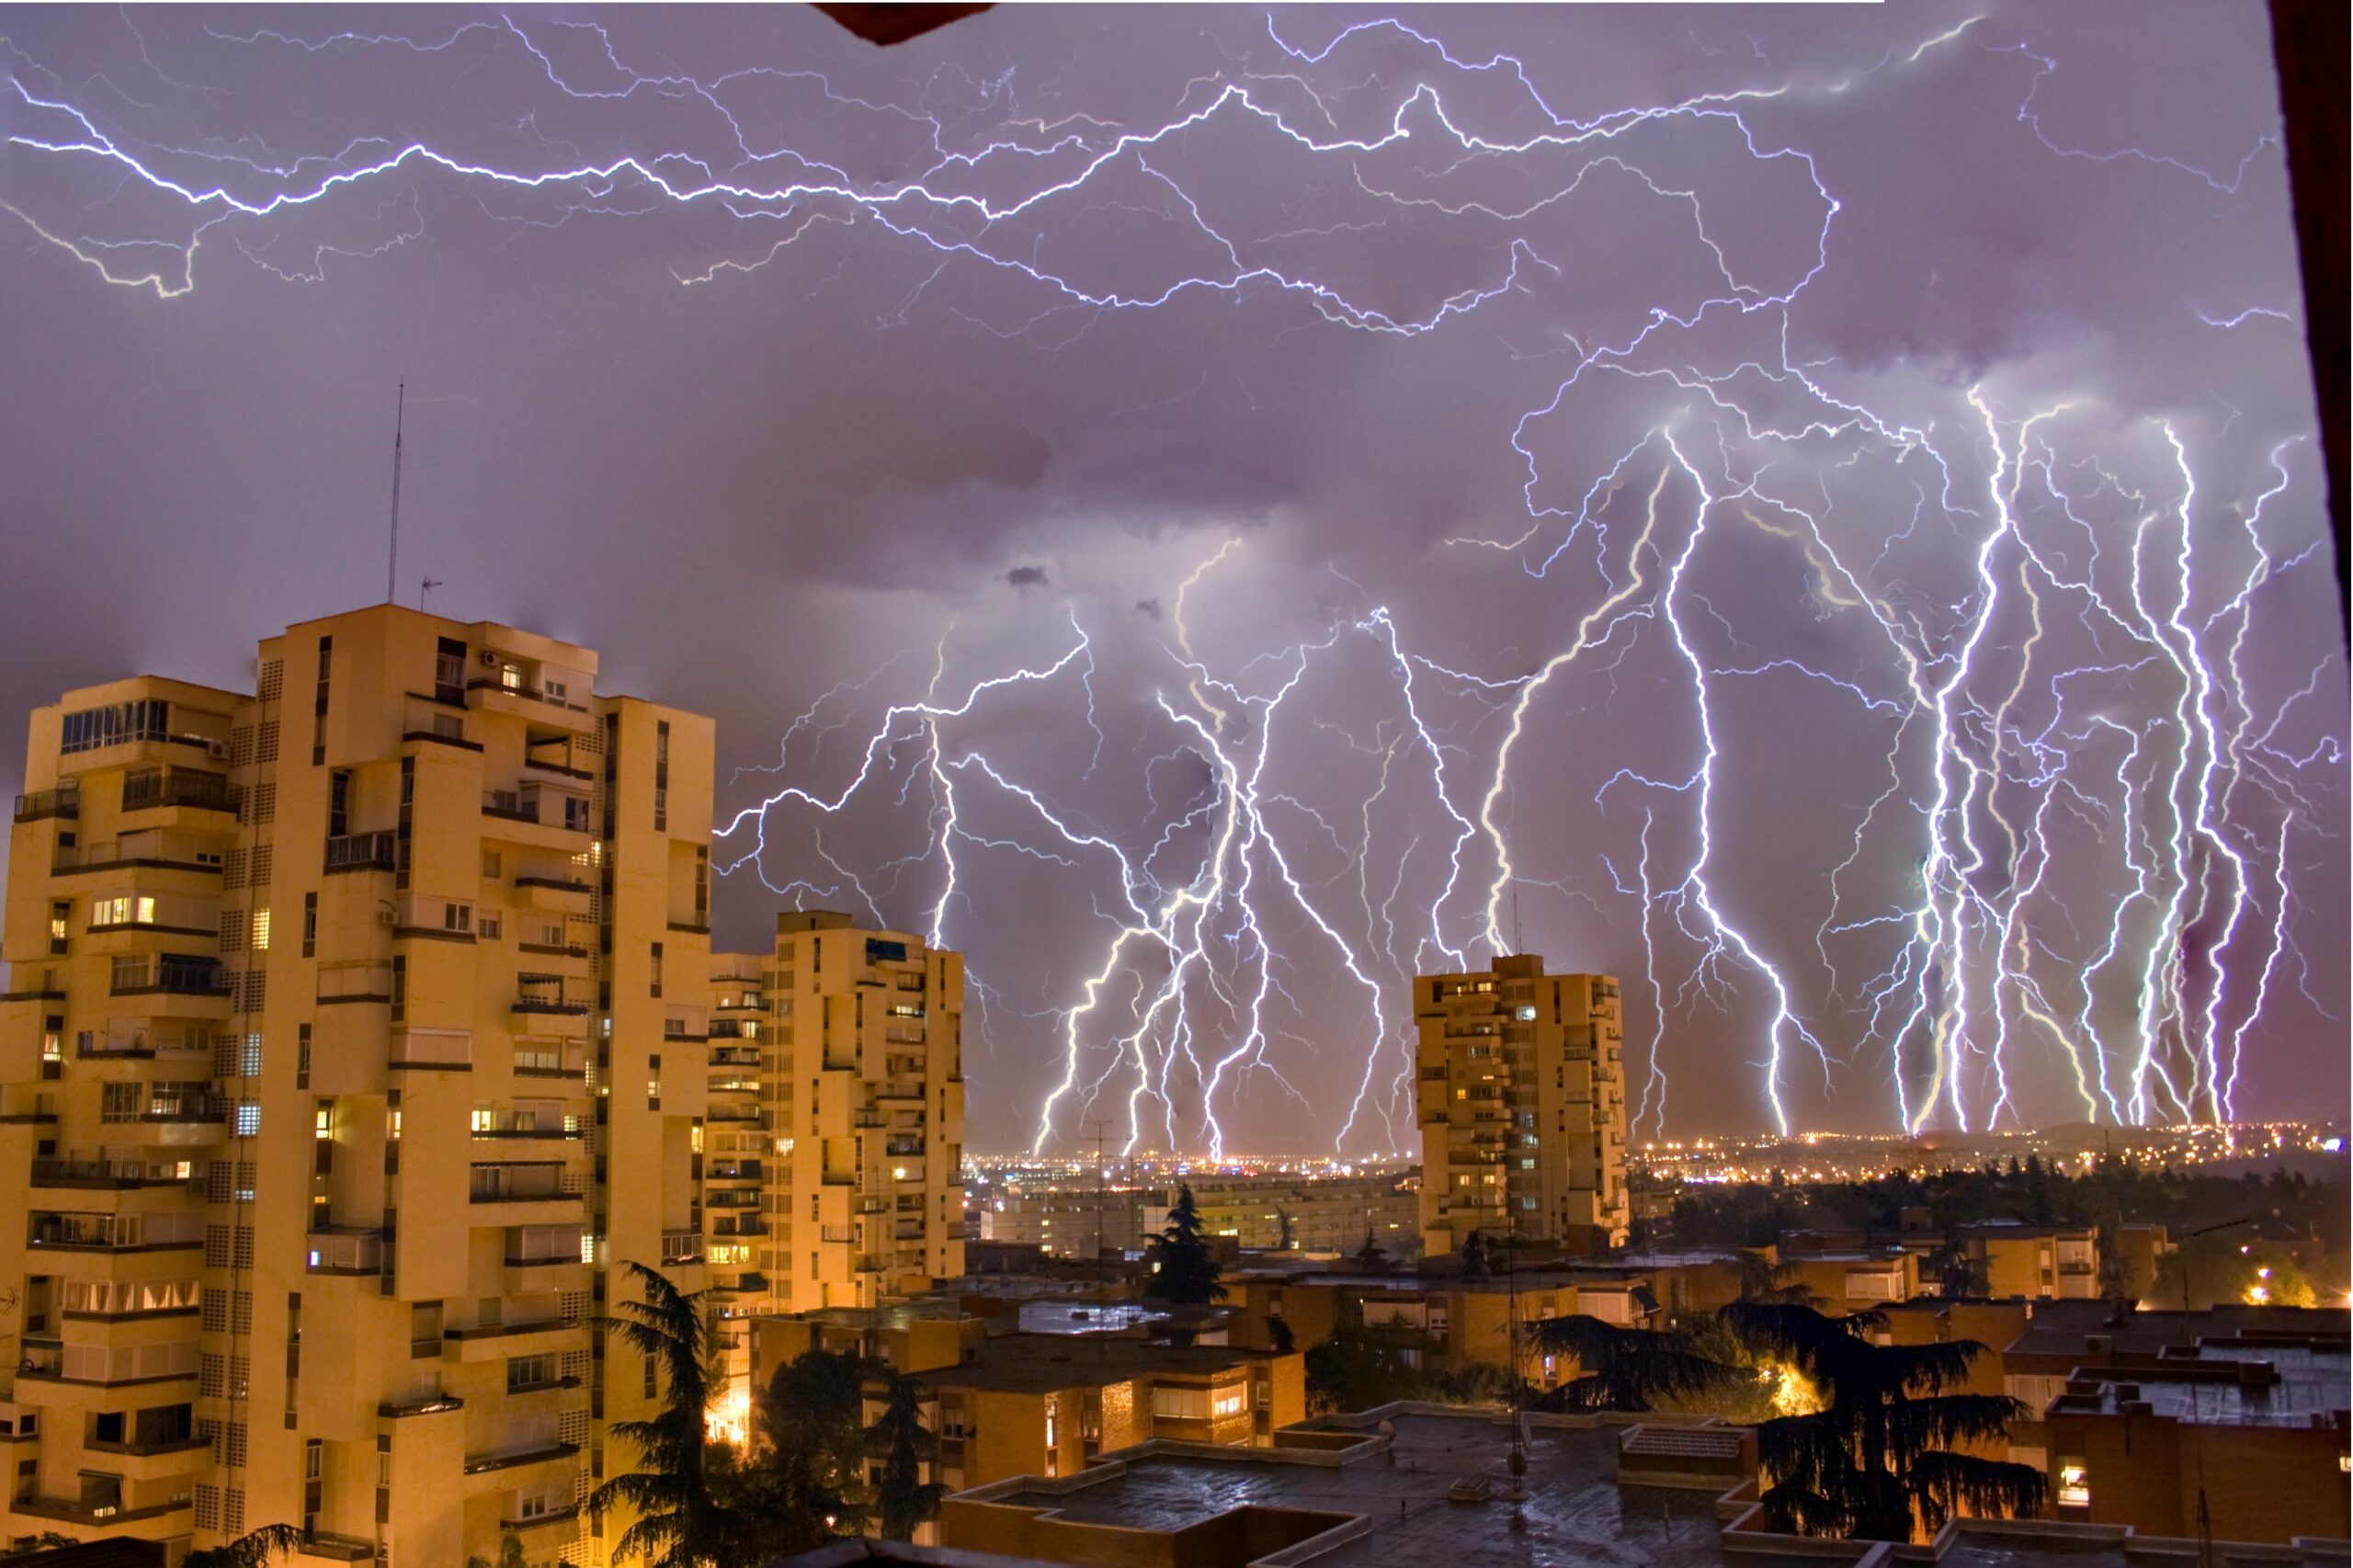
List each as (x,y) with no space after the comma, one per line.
(1576,1511)
(1042,1363)
(2227,1386)
(2061,1329)
(1364,1503)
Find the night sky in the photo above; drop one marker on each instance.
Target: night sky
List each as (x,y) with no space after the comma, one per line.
(1816,511)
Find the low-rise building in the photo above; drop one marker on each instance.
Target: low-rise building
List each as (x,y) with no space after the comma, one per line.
(2042,1262)
(2243,1441)
(1050,1405)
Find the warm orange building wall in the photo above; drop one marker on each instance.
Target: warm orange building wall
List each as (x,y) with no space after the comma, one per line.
(2262,1483)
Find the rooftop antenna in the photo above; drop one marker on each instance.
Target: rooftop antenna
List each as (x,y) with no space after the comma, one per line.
(393,566)
(424,587)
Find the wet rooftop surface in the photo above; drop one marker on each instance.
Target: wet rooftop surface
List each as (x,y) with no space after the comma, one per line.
(1574,1513)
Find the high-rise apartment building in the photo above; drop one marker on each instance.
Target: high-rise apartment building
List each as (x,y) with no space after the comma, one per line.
(333,1090)
(862,1115)
(1522,1107)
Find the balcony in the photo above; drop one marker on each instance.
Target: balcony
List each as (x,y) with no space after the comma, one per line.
(555,809)
(152,849)
(347,1249)
(116,1176)
(168,974)
(41,805)
(681,1247)
(106,1366)
(341,983)
(520,1181)
(177,787)
(359,852)
(538,1451)
(81,1231)
(550,995)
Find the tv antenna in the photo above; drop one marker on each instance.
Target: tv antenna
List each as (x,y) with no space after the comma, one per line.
(424,587)
(392,566)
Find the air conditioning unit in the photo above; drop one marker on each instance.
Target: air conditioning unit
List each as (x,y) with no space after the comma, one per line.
(489,660)
(387,917)
(217,750)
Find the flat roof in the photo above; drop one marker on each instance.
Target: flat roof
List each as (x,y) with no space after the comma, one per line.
(1576,1510)
(2062,1328)
(2311,1383)
(1042,1363)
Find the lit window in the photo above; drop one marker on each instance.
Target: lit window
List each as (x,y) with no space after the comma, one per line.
(486,1118)
(2074,1486)
(261,930)
(323,1121)
(248,1119)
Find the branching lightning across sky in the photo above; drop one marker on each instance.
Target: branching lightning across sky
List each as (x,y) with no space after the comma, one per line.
(2023,636)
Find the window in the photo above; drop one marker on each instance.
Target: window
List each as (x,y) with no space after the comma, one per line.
(457,916)
(339,803)
(489,927)
(123,909)
(59,915)
(248,1119)
(2074,1486)
(652,1379)
(116,724)
(450,670)
(657,969)
(661,776)
(261,930)
(318,708)
(310,925)
(529,1372)
(400,988)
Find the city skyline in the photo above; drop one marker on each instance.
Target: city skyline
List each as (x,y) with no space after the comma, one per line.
(1211,656)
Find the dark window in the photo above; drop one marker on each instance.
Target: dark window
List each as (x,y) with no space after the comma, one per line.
(339,803)
(310,925)
(657,969)
(319,706)
(450,670)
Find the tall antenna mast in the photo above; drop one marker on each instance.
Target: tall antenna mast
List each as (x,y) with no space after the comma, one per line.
(392,566)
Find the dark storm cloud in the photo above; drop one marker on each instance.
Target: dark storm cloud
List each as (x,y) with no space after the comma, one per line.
(755,449)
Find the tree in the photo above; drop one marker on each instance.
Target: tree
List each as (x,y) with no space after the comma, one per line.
(1476,1264)
(1956,1271)
(807,1486)
(510,1555)
(1762,1280)
(1625,1368)
(1184,1273)
(679,1522)
(1878,1462)
(255,1549)
(1358,1368)
(1288,1237)
(1279,1336)
(902,1499)
(1369,1258)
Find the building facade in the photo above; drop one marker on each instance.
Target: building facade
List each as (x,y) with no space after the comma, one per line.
(1522,1107)
(863,1092)
(333,1010)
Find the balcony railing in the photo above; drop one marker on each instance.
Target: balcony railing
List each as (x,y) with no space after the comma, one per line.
(360,852)
(65,800)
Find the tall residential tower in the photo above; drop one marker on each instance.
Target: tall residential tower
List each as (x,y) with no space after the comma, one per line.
(1522,1107)
(333,1082)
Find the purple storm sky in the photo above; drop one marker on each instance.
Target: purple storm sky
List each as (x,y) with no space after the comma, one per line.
(1813,510)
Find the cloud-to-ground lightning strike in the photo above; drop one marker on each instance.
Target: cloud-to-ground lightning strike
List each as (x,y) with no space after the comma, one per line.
(2076,831)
